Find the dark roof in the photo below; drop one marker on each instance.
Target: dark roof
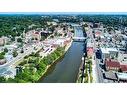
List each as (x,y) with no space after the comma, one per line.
(123,67)
(112,63)
(36,32)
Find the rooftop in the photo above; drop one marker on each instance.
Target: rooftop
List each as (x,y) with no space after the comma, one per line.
(108,50)
(112,63)
(122,76)
(104,50)
(110,75)
(123,67)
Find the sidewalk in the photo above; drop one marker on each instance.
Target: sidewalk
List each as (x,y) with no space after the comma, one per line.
(94,70)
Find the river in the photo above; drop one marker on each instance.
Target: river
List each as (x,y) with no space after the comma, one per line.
(66,70)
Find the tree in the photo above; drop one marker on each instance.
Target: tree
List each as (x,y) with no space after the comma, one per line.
(37,54)
(19,40)
(32,39)
(10,80)
(25,76)
(5,50)
(23,62)
(2,79)
(1,56)
(15,53)
(22,51)
(13,39)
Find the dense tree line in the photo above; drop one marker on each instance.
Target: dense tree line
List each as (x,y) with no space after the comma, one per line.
(14,25)
(110,20)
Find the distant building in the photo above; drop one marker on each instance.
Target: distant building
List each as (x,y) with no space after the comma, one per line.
(97,33)
(36,36)
(57,42)
(52,23)
(96,25)
(89,48)
(62,42)
(32,35)
(2,41)
(55,20)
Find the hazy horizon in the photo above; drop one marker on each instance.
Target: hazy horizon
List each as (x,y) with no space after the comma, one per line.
(63,13)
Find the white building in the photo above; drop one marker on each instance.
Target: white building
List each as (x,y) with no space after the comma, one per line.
(109,52)
(122,76)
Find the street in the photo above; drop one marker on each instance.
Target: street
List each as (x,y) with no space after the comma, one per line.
(97,70)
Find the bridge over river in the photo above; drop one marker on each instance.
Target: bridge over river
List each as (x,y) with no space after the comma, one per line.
(78,34)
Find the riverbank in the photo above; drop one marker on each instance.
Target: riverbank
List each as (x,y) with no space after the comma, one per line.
(85,71)
(55,61)
(80,71)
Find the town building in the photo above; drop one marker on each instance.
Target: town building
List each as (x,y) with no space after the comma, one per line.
(112,65)
(32,35)
(2,41)
(111,53)
(89,48)
(122,77)
(116,65)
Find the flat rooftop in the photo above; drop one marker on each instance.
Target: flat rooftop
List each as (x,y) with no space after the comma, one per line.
(122,76)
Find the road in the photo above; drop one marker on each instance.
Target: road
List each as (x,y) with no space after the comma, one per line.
(98,71)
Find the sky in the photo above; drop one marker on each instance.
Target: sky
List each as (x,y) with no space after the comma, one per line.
(63,6)
(73,13)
